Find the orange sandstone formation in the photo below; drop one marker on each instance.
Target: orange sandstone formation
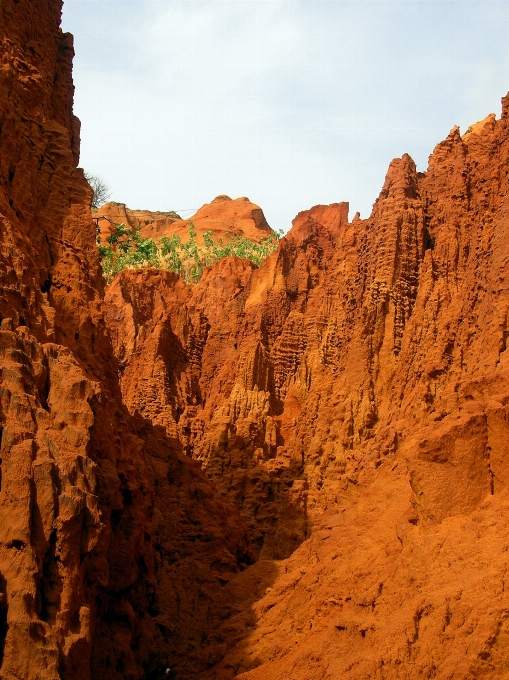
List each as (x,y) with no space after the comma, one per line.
(113,546)
(238,216)
(351,397)
(347,402)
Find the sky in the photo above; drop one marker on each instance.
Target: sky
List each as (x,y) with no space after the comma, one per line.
(291,103)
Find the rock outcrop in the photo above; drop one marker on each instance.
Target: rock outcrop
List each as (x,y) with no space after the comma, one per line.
(223,215)
(341,413)
(113,546)
(351,397)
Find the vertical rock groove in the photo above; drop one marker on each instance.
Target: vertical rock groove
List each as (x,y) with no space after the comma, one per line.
(293,470)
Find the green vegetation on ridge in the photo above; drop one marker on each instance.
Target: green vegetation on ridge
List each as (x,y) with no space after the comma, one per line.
(126,249)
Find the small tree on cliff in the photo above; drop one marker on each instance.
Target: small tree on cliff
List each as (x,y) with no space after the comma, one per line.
(101,190)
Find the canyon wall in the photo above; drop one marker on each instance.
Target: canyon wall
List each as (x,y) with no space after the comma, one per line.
(113,546)
(350,397)
(297,470)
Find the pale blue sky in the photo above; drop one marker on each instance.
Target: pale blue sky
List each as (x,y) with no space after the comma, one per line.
(289,102)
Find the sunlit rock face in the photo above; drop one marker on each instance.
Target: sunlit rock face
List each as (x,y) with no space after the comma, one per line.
(350,397)
(113,546)
(297,470)
(221,216)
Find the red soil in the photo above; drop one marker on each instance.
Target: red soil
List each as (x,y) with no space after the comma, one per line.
(347,403)
(223,215)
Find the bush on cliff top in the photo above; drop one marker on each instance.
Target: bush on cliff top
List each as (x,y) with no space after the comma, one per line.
(126,249)
(100,188)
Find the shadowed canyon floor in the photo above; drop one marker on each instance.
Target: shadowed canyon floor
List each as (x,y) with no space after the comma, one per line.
(298,470)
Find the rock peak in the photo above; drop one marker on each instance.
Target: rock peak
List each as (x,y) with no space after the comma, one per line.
(221,198)
(401,179)
(505,107)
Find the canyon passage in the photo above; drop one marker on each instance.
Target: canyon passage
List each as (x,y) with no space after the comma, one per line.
(295,470)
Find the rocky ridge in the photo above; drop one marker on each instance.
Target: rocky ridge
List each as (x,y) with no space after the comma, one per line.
(99,509)
(298,470)
(223,215)
(350,396)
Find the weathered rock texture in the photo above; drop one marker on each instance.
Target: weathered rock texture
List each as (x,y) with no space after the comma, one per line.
(113,546)
(351,396)
(224,215)
(349,399)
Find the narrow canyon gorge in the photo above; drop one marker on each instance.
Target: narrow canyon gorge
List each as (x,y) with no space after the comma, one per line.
(298,470)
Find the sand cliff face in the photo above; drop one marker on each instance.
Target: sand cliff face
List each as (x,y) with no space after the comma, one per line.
(84,544)
(223,215)
(347,401)
(350,396)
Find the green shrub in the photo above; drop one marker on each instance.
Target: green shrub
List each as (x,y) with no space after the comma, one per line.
(126,249)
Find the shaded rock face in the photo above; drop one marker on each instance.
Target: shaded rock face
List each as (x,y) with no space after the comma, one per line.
(223,215)
(351,397)
(348,399)
(100,576)
(214,363)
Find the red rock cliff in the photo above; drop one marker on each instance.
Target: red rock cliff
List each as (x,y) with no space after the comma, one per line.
(113,547)
(223,215)
(351,397)
(348,398)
